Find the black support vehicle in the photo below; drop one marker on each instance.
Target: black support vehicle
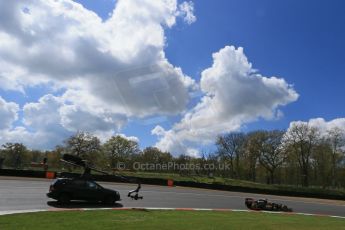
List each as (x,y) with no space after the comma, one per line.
(83,187)
(66,189)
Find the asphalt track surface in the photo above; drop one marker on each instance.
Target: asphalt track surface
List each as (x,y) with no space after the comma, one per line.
(30,193)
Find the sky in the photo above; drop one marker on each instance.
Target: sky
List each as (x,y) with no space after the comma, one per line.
(167,73)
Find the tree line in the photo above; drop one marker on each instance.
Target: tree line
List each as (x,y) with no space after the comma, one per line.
(302,156)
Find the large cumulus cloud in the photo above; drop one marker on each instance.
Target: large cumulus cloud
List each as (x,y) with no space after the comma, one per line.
(234,94)
(8,113)
(324,127)
(108,70)
(62,42)
(103,72)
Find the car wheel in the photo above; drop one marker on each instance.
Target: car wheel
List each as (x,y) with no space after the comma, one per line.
(285,208)
(109,200)
(64,198)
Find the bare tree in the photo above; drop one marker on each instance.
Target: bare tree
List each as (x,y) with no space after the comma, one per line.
(272,154)
(84,145)
(229,147)
(252,152)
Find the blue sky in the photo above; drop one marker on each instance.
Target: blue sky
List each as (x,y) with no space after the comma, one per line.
(301,42)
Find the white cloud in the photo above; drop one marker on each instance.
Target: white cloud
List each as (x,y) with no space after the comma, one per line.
(75,119)
(62,42)
(234,94)
(131,138)
(8,113)
(322,125)
(186,10)
(109,69)
(44,121)
(51,121)
(112,70)
(43,114)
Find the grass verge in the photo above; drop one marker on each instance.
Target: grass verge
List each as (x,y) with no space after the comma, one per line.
(137,219)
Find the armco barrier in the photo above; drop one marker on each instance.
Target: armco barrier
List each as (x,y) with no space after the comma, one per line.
(22,173)
(159,181)
(217,186)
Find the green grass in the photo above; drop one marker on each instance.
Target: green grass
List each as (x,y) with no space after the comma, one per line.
(136,219)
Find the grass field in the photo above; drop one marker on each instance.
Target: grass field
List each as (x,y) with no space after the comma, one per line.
(137,219)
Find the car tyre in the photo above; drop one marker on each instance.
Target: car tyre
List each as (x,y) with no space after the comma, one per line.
(64,198)
(109,200)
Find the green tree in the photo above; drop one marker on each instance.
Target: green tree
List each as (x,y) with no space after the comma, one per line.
(2,158)
(252,145)
(83,144)
(15,154)
(336,140)
(55,156)
(120,149)
(322,164)
(301,139)
(36,156)
(155,155)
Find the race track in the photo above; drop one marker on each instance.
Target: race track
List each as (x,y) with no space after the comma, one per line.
(29,193)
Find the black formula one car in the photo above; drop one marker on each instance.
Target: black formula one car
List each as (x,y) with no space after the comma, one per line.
(263,204)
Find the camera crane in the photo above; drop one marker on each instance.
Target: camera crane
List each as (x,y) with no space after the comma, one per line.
(79,162)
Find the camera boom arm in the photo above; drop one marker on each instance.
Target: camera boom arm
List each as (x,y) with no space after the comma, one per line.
(79,162)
